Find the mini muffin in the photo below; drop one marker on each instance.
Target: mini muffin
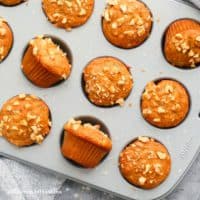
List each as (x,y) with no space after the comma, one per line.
(107,81)
(10,2)
(85,144)
(182,43)
(145,163)
(126,23)
(6,39)
(68,14)
(165,104)
(25,120)
(44,63)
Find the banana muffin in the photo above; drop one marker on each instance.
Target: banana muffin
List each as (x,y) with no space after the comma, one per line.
(145,163)
(25,120)
(10,2)
(6,39)
(68,14)
(107,81)
(85,143)
(44,62)
(182,43)
(165,104)
(126,23)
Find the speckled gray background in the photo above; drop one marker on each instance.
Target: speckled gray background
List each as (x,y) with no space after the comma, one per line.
(24,181)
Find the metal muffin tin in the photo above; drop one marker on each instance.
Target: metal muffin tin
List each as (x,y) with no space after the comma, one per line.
(67,99)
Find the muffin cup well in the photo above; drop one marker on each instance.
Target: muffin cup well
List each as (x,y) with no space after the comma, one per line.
(83,82)
(80,152)
(36,72)
(156,82)
(142,139)
(178,59)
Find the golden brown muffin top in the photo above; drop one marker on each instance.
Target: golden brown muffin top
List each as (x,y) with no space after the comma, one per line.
(68,13)
(6,39)
(145,163)
(10,2)
(50,56)
(107,81)
(24,120)
(165,104)
(88,132)
(126,23)
(182,43)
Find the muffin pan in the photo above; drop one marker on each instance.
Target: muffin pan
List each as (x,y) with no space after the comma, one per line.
(125,123)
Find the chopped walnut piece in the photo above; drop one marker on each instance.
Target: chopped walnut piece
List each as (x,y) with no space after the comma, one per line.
(23,122)
(16,103)
(9,108)
(35,51)
(179,36)
(157,167)
(2,31)
(143,139)
(50,123)
(142,180)
(147,168)
(39,139)
(147,111)
(123,8)
(198,38)
(112,2)
(106,15)
(161,155)
(120,102)
(156,120)
(22,96)
(161,110)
